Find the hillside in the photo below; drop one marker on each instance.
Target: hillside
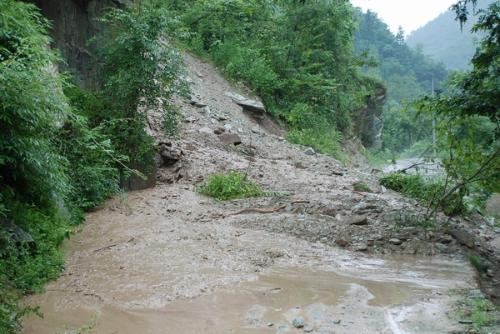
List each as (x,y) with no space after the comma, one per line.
(444,41)
(168,258)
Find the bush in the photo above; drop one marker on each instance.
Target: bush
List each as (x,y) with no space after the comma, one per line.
(429,193)
(322,140)
(230,186)
(140,71)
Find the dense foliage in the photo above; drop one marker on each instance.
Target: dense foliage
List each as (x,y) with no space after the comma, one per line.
(297,55)
(140,71)
(63,149)
(469,115)
(427,192)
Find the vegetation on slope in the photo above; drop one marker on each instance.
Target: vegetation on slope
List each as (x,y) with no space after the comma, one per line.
(406,72)
(441,39)
(63,150)
(298,57)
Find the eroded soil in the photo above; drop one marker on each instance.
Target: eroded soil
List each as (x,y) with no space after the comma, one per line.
(168,260)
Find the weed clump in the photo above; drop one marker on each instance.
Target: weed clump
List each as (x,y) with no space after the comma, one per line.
(230,186)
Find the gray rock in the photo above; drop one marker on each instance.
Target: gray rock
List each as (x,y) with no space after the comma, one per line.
(205,130)
(465,322)
(197,103)
(308,329)
(230,138)
(463,237)
(299,322)
(497,230)
(395,241)
(364,207)
(222,118)
(361,247)
(219,130)
(235,96)
(358,220)
(190,119)
(206,110)
(336,322)
(228,127)
(310,151)
(16,234)
(446,239)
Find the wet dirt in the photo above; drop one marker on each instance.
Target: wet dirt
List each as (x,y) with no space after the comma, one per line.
(136,267)
(168,260)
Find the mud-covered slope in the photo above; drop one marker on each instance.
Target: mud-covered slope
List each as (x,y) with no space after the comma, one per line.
(168,260)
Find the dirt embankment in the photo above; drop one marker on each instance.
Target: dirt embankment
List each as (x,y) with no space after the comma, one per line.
(167,260)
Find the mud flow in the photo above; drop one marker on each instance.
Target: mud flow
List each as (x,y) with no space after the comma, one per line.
(110,290)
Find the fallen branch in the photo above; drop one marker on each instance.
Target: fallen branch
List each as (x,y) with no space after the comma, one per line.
(299,201)
(104,248)
(260,210)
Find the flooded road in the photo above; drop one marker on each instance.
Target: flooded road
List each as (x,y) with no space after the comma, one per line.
(378,299)
(211,277)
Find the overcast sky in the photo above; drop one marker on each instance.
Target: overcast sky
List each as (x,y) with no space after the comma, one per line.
(410,14)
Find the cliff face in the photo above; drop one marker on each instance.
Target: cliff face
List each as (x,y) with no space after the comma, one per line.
(368,124)
(74,22)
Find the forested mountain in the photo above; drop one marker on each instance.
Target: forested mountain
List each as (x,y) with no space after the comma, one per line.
(406,72)
(441,39)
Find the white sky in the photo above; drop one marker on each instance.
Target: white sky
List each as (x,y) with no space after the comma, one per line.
(410,14)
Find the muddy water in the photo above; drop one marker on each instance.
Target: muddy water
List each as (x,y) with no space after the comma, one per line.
(393,296)
(141,265)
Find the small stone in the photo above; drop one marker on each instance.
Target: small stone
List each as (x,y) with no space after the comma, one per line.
(206,110)
(228,127)
(465,322)
(497,230)
(361,247)
(341,242)
(446,239)
(336,322)
(490,273)
(205,130)
(256,131)
(358,220)
(395,241)
(464,237)
(219,130)
(198,103)
(221,118)
(230,138)
(298,322)
(310,151)
(308,329)
(270,324)
(190,119)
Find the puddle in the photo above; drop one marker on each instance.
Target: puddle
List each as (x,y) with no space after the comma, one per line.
(329,303)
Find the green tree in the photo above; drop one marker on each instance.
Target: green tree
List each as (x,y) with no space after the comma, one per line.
(470,113)
(140,70)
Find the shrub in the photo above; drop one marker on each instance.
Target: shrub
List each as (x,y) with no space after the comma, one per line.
(230,186)
(140,70)
(430,193)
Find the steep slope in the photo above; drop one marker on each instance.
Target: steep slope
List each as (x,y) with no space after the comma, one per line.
(444,41)
(167,260)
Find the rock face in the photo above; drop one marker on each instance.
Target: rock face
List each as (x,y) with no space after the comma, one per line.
(73,24)
(368,124)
